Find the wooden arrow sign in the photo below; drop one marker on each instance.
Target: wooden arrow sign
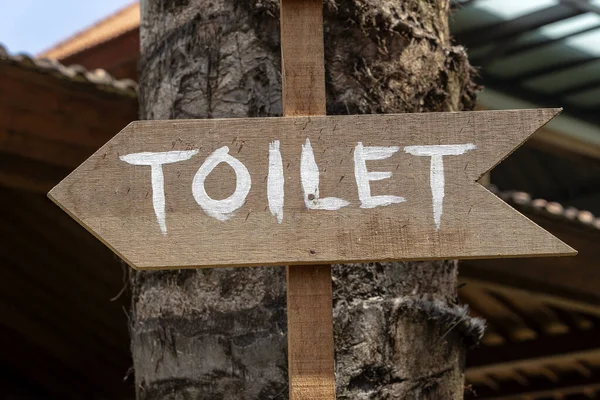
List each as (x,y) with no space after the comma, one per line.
(274,191)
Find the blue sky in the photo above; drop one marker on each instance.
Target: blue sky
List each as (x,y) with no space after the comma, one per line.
(31,26)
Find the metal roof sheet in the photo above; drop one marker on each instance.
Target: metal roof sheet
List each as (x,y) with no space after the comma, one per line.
(99,77)
(543,51)
(524,202)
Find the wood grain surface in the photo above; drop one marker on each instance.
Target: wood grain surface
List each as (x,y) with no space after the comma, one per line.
(309,293)
(114,199)
(302,58)
(310,333)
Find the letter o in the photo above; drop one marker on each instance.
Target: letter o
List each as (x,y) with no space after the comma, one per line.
(221,209)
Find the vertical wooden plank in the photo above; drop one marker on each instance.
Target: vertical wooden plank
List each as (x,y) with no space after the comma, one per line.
(302,57)
(309,295)
(310,333)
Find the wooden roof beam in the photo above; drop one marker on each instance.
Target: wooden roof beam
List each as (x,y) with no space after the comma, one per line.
(504,320)
(543,351)
(509,283)
(542,387)
(567,283)
(55,116)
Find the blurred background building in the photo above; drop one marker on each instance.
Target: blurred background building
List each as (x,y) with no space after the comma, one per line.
(63,296)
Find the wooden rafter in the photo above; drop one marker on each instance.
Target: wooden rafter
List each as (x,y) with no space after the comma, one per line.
(509,283)
(542,387)
(568,283)
(508,324)
(53,119)
(542,351)
(539,317)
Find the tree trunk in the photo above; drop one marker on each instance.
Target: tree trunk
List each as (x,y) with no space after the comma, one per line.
(221,333)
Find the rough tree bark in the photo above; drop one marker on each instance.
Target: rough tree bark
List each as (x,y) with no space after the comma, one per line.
(221,333)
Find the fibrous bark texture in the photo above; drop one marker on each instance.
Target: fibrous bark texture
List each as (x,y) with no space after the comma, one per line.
(221,333)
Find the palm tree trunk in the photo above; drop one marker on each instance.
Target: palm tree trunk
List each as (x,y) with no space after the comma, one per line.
(221,333)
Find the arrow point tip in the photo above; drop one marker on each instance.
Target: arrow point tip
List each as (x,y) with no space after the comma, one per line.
(57,196)
(51,194)
(570,251)
(560,248)
(551,113)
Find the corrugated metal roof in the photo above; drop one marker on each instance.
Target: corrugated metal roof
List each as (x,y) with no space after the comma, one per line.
(543,51)
(99,77)
(523,202)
